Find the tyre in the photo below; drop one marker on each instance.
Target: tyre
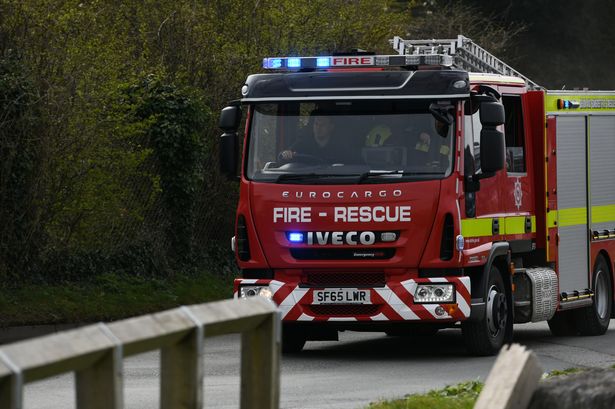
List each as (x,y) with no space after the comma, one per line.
(594,319)
(562,324)
(486,337)
(293,340)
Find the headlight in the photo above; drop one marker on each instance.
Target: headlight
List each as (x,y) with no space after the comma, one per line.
(254,290)
(434,293)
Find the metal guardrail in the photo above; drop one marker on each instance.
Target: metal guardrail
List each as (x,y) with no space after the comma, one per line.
(95,353)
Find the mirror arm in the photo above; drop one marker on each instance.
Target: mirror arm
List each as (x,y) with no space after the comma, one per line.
(472,182)
(484,175)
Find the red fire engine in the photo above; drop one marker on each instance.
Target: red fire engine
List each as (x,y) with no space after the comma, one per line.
(433,188)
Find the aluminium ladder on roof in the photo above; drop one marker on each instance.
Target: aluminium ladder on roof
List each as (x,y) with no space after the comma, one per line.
(467,55)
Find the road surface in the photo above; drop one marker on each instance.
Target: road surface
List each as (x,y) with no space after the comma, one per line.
(361,368)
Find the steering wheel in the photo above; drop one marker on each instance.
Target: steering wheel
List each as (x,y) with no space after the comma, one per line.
(307,158)
(302,158)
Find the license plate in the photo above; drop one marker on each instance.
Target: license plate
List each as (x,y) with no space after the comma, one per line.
(342,296)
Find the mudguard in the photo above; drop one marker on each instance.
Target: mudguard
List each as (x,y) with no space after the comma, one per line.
(499,249)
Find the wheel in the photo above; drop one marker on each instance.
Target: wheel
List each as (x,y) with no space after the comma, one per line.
(562,324)
(486,337)
(293,340)
(594,319)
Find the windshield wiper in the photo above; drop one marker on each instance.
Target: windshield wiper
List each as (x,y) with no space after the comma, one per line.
(377,173)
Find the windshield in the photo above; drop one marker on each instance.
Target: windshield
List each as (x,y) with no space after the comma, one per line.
(348,142)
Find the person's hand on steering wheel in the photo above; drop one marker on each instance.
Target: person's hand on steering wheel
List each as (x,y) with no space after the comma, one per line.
(286,155)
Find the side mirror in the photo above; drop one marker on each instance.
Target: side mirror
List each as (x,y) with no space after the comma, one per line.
(491,114)
(492,151)
(230,117)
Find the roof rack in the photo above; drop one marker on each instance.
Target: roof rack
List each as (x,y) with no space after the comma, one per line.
(466,54)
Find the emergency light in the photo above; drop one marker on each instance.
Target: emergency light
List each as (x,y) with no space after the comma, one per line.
(346,61)
(567,104)
(295,237)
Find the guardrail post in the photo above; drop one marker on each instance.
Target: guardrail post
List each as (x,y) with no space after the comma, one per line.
(95,353)
(181,370)
(103,379)
(511,381)
(11,386)
(260,365)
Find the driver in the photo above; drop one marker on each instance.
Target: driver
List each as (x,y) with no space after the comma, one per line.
(318,145)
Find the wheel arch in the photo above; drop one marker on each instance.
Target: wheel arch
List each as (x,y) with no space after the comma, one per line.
(500,256)
(609,264)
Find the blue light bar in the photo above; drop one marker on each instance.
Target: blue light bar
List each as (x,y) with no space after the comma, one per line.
(293,62)
(295,237)
(322,62)
(353,61)
(272,63)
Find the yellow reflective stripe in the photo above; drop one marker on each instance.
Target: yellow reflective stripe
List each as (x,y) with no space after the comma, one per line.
(533,224)
(567,217)
(603,214)
(572,217)
(588,102)
(484,226)
(552,218)
(477,227)
(514,225)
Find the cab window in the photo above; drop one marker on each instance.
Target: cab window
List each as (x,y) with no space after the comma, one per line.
(515,135)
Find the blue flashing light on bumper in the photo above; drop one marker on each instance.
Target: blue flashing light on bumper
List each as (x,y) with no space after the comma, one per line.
(295,237)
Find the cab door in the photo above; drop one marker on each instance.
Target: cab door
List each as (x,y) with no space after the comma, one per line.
(485,204)
(516,188)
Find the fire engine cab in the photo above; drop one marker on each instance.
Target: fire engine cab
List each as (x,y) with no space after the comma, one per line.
(433,188)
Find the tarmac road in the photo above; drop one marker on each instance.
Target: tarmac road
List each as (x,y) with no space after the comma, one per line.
(361,368)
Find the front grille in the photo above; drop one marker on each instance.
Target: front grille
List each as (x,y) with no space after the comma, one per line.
(349,310)
(343,254)
(368,279)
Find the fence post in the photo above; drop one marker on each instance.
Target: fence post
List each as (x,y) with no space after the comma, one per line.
(181,369)
(11,384)
(103,379)
(260,365)
(512,380)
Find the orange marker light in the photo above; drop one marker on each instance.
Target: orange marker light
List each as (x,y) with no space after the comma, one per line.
(452,309)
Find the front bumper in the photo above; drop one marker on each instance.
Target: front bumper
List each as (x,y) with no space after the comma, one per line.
(393,302)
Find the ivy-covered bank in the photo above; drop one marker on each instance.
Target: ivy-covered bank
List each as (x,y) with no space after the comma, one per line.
(108,134)
(108,126)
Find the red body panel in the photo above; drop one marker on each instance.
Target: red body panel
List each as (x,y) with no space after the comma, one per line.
(321,202)
(551,160)
(535,115)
